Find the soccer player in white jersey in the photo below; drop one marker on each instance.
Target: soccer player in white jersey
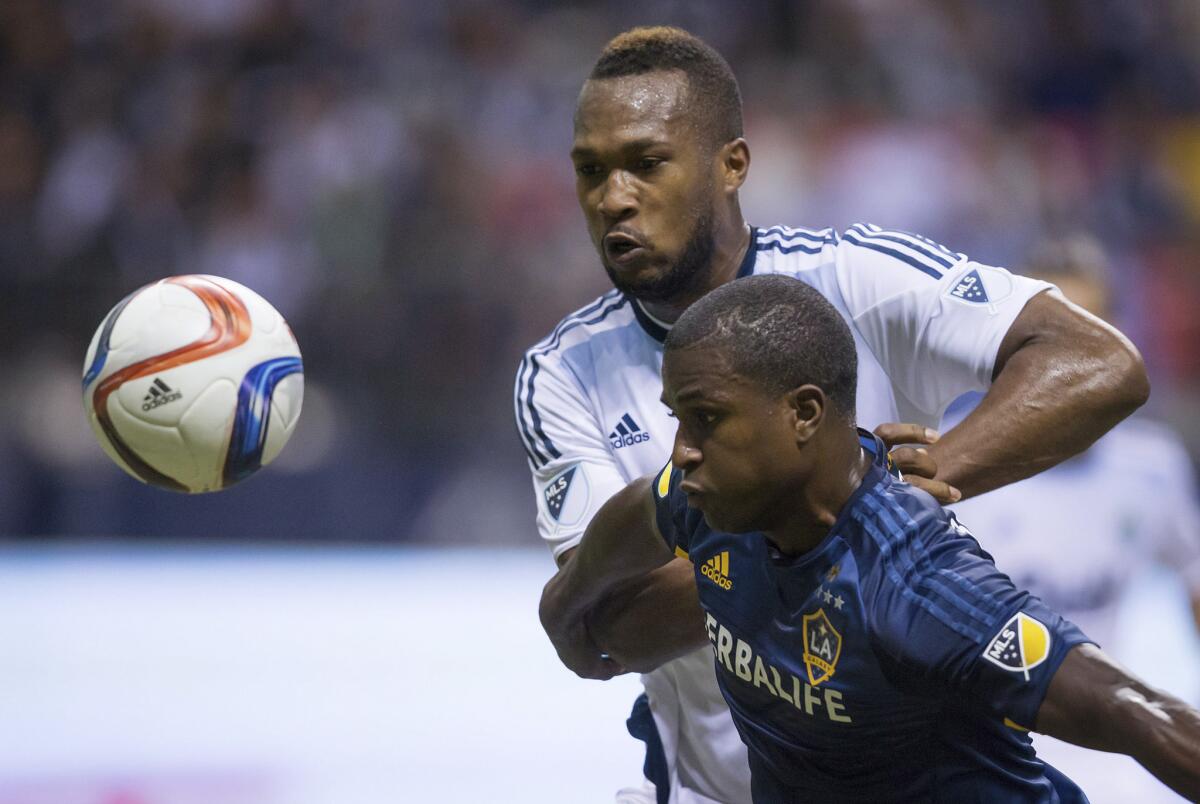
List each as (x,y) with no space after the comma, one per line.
(1078,534)
(659,157)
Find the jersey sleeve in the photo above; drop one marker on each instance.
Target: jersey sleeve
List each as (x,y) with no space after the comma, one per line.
(947,616)
(573,469)
(932,317)
(670,510)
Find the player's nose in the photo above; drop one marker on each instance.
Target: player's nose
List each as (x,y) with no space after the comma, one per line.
(684,455)
(618,198)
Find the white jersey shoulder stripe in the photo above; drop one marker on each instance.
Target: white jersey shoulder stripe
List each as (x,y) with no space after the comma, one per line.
(538,446)
(783,240)
(927,256)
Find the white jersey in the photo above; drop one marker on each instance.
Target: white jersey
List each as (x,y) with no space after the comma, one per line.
(1076,535)
(927,323)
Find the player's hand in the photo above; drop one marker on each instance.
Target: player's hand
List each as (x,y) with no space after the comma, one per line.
(582,656)
(916,465)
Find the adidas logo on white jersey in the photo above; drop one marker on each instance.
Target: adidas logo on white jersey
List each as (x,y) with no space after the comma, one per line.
(627,433)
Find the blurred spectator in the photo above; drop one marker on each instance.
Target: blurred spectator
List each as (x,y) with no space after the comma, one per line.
(394,178)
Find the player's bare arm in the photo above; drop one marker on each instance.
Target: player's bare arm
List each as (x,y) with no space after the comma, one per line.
(621,543)
(1094,702)
(651,619)
(1063,378)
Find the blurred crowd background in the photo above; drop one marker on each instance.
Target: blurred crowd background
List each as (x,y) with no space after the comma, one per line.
(393,176)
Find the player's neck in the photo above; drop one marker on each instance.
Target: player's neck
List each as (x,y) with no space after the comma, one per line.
(729,248)
(842,467)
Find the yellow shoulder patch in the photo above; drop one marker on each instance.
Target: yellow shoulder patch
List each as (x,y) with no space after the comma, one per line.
(679,551)
(664,480)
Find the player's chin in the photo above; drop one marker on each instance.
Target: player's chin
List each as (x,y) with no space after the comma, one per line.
(718,518)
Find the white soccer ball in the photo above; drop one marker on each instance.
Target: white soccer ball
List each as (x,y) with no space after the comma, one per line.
(193,383)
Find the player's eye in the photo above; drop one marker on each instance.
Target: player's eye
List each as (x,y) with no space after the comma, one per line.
(649,163)
(587,171)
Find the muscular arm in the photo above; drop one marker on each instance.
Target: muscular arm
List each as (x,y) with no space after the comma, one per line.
(1062,379)
(621,543)
(1094,702)
(651,619)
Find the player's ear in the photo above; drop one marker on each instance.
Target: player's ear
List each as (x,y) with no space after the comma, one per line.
(735,164)
(806,406)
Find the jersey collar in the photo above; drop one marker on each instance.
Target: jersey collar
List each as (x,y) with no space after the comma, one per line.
(658,329)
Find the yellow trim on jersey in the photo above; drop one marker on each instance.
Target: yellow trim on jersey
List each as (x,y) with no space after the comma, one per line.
(1013,725)
(679,551)
(664,480)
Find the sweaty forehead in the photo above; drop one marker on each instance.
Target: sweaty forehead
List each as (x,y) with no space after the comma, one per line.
(698,374)
(649,105)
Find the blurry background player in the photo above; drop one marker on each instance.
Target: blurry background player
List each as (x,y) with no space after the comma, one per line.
(1078,534)
(660,160)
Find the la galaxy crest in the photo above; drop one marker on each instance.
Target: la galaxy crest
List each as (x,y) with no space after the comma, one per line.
(822,646)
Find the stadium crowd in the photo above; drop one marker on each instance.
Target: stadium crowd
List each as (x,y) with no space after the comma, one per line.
(394,178)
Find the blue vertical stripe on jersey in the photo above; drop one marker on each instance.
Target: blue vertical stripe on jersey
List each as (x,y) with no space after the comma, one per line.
(527,440)
(901,572)
(984,609)
(532,359)
(914,554)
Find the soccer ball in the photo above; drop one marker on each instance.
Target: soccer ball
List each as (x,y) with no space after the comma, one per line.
(193,383)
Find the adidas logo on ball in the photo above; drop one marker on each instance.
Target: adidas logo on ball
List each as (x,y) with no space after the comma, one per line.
(160,394)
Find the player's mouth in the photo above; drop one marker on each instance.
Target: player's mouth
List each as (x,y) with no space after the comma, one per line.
(621,248)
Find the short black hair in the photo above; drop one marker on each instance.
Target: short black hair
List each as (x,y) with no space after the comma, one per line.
(777,332)
(713,92)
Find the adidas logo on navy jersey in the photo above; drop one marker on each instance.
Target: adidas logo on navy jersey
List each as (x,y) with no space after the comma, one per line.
(159,395)
(627,433)
(716,569)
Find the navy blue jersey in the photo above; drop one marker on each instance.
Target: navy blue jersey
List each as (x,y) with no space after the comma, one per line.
(893,662)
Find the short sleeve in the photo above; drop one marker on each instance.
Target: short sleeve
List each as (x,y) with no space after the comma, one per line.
(955,621)
(573,470)
(932,317)
(670,505)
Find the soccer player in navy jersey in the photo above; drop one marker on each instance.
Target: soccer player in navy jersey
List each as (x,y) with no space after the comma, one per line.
(660,156)
(868,648)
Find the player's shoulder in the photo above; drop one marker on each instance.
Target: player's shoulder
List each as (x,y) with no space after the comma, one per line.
(867,243)
(916,555)
(782,240)
(601,314)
